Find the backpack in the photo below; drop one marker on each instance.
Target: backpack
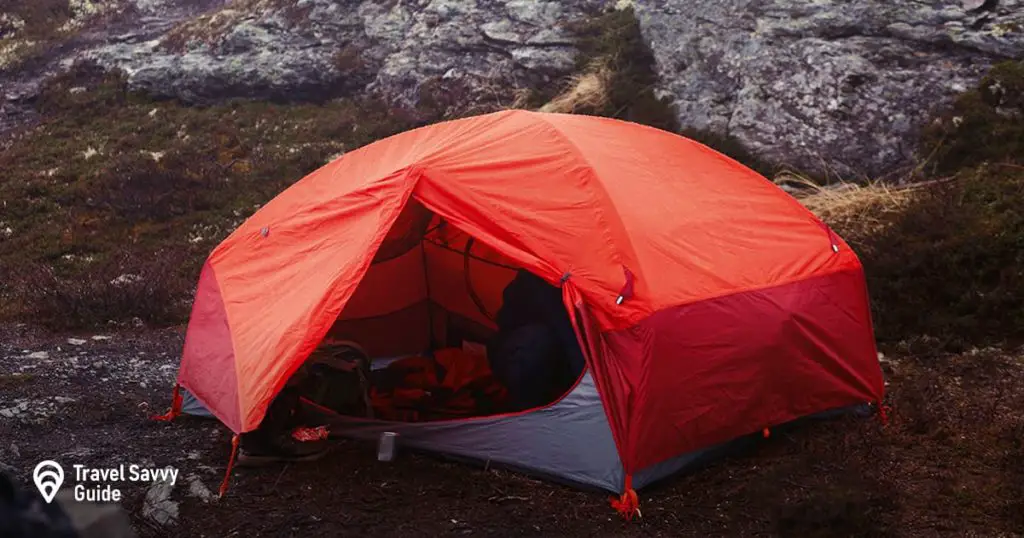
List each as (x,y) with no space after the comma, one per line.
(339,379)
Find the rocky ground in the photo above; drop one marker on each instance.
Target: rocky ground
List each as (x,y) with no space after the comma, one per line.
(948,463)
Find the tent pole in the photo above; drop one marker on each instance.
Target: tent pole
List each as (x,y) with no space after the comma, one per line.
(430,307)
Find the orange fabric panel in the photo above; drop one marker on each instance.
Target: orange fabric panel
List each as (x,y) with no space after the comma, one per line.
(689,210)
(461,367)
(544,208)
(448,287)
(389,286)
(284,288)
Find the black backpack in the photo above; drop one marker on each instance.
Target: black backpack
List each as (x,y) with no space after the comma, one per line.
(339,379)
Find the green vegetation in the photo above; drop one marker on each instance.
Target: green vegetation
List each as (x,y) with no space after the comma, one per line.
(111,178)
(948,270)
(985,124)
(11,381)
(39,18)
(945,263)
(611,41)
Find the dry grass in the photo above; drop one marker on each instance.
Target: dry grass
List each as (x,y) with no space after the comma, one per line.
(588,90)
(861,208)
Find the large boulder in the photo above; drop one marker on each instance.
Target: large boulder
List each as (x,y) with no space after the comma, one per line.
(825,85)
(311,49)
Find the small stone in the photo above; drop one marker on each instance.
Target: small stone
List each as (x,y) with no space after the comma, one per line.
(197,489)
(100,338)
(15,450)
(98,364)
(39,355)
(63,399)
(76,341)
(158,505)
(8,413)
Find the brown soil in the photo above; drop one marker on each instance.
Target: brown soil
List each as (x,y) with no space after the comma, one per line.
(950,462)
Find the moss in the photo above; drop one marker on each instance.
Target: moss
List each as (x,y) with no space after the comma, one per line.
(27,28)
(12,381)
(984,124)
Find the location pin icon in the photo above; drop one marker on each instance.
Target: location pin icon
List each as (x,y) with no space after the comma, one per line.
(48,476)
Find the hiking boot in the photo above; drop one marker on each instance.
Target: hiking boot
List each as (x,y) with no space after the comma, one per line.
(284,450)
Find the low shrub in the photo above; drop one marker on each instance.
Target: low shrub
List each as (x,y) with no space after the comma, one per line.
(985,124)
(950,265)
(109,169)
(150,286)
(945,258)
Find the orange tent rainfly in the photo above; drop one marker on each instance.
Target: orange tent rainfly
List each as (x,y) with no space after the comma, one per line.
(710,304)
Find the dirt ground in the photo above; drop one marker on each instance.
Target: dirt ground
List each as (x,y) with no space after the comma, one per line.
(949,463)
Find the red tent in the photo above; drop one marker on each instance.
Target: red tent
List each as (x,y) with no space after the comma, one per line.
(710,303)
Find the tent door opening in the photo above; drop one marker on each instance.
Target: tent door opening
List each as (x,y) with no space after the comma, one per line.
(448,328)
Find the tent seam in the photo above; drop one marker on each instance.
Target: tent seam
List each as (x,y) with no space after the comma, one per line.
(731,293)
(594,184)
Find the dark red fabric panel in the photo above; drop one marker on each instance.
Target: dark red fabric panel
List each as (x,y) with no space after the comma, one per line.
(209,353)
(402,332)
(704,373)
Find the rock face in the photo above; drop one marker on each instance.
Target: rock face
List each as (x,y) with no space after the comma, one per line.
(91,24)
(309,49)
(819,85)
(825,85)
